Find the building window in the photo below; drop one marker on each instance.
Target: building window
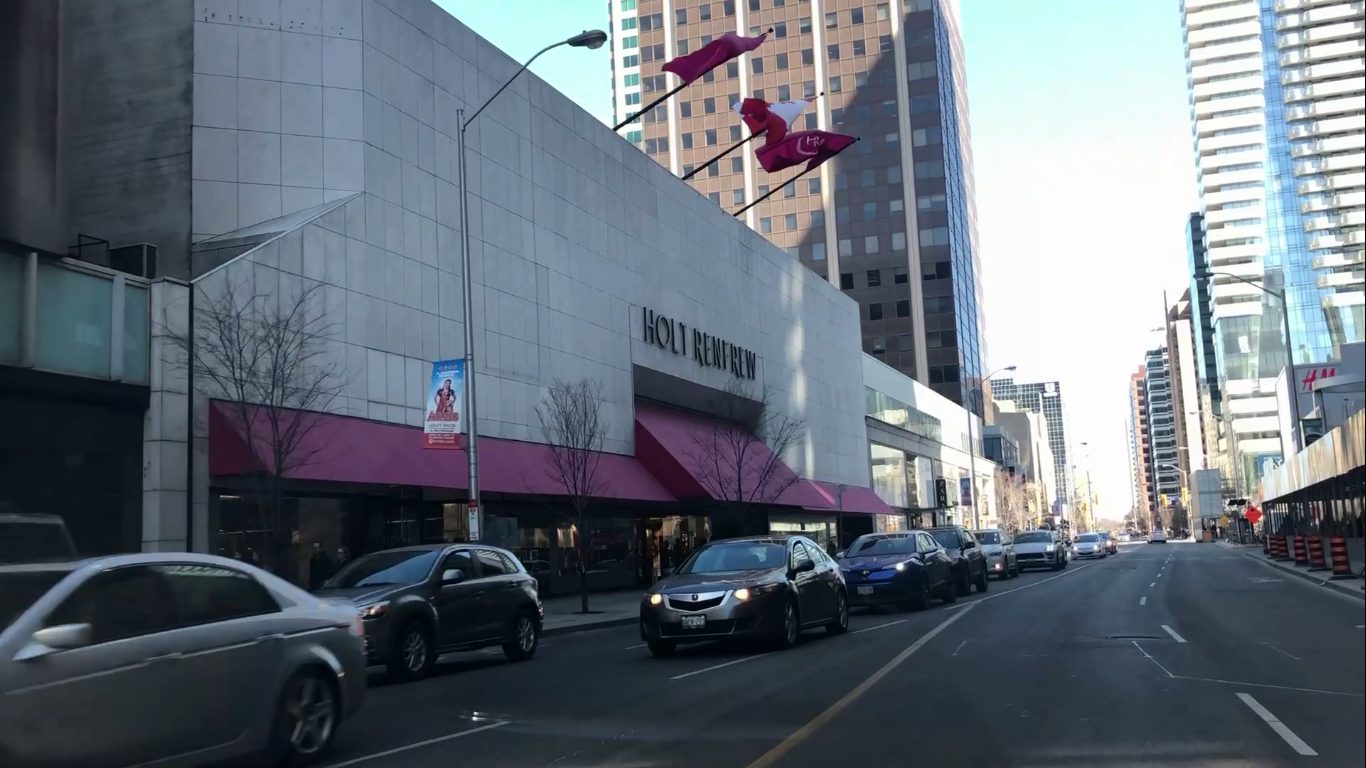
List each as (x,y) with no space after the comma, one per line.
(630,41)
(905,343)
(893,174)
(780,61)
(813,186)
(898,241)
(628,5)
(766,225)
(860,48)
(632,60)
(884,43)
(818,218)
(870,244)
(818,251)
(874,278)
(756,65)
(875,311)
(784,93)
(737,165)
(847,249)
(832,20)
(889,108)
(633,98)
(628,23)
(883,13)
(895,205)
(920,70)
(754,5)
(926,103)
(930,169)
(867,177)
(632,79)
(685,108)
(735,133)
(681,16)
(732,69)
(634,136)
(934,236)
(704,12)
(878,345)
(715,197)
(936,202)
(899,275)
(687,140)
(922,137)
(846,281)
(903,308)
(809,89)
(811,121)
(710,135)
(728,7)
(832,52)
(869,211)
(856,16)
(803,25)
(780,29)
(682,47)
(737,196)
(790,221)
(709,106)
(808,56)
(939,270)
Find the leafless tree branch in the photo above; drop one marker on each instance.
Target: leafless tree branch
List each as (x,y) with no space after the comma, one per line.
(574,428)
(732,466)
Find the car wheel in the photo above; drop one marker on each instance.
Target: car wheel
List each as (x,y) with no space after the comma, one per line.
(661,647)
(921,599)
(840,624)
(791,629)
(525,637)
(948,593)
(306,719)
(982,580)
(413,653)
(962,583)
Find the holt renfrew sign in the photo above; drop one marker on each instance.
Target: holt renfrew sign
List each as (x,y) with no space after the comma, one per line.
(705,349)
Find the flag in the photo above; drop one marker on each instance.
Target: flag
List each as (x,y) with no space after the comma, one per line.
(691,66)
(814,147)
(772,119)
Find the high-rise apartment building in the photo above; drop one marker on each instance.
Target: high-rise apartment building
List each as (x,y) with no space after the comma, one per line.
(1140,462)
(1160,409)
(1190,451)
(1277,96)
(1044,397)
(1208,396)
(891,221)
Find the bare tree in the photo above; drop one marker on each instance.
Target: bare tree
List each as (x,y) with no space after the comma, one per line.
(571,418)
(266,357)
(732,464)
(1011,502)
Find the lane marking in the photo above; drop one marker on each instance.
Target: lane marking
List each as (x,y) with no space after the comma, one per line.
(1155,661)
(879,626)
(1150,586)
(634,647)
(1143,600)
(1281,652)
(731,663)
(995,595)
(1244,683)
(1159,575)
(418,744)
(959,648)
(1295,742)
(802,734)
(1175,636)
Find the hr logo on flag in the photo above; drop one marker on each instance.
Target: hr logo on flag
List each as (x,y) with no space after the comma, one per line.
(809,145)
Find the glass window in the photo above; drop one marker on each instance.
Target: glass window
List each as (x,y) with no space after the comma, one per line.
(836,84)
(818,218)
(893,174)
(735,133)
(869,211)
(899,275)
(832,51)
(704,12)
(633,98)
(875,311)
(754,5)
(737,165)
(874,278)
(903,308)
(784,92)
(766,225)
(389,567)
(681,16)
(737,196)
(818,251)
(878,345)
(813,186)
(780,61)
(780,29)
(934,236)
(846,280)
(800,557)
(710,136)
(895,205)
(789,220)
(856,16)
(870,244)
(921,137)
(687,140)
(628,23)
(803,25)
(867,177)
(632,60)
(832,20)
(732,69)
(860,48)
(884,43)
(906,342)
(709,106)
(491,563)
(119,604)
(898,241)
(20,589)
(736,556)
(808,57)
(929,169)
(883,13)
(205,594)
(73,333)
(846,248)
(627,5)
(756,65)
(630,41)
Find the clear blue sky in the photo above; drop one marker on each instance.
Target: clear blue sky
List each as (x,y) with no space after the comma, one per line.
(1084,177)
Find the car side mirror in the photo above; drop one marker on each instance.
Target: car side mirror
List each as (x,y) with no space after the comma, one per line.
(669,571)
(63,637)
(840,554)
(969,544)
(808,565)
(452,576)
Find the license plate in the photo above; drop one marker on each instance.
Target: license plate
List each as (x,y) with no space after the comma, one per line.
(694,622)
(865,590)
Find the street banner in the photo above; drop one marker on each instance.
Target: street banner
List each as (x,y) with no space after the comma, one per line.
(965,491)
(445,402)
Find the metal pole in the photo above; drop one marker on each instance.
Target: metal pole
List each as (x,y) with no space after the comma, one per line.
(472,447)
(972,465)
(1297,425)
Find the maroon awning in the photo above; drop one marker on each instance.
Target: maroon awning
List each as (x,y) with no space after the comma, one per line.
(854,499)
(672,444)
(344,449)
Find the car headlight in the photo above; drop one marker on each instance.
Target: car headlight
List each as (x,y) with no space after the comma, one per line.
(656,599)
(746,593)
(1048,548)
(374,610)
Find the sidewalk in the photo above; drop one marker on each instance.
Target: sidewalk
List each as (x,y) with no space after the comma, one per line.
(609,609)
(1353,587)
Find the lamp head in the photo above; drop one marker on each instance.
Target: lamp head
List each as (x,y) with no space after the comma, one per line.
(589,38)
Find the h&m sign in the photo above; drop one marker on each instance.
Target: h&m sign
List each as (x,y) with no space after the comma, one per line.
(705,349)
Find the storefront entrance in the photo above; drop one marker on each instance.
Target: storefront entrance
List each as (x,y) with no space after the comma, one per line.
(665,542)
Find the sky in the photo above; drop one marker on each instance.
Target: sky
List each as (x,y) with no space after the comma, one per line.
(1084,177)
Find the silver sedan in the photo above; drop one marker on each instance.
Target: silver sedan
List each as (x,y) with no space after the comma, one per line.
(172,659)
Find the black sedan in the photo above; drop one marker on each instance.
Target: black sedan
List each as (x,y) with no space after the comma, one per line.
(906,569)
(969,563)
(768,586)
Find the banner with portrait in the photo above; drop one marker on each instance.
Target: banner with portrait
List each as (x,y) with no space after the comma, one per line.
(445,403)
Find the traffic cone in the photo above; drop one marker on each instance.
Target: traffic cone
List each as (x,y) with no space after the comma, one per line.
(1316,561)
(1337,553)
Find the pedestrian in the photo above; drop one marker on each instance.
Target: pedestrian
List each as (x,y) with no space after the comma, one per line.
(320,567)
(343,557)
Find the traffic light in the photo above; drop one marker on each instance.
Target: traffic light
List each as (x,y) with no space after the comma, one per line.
(1162,500)
(1185,497)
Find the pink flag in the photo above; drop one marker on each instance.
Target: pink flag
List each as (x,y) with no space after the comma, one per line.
(814,147)
(712,55)
(772,119)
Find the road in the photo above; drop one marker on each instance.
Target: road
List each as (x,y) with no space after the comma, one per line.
(1164,655)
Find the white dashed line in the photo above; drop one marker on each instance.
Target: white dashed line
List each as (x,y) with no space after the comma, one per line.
(1143,600)
(634,647)
(417,745)
(879,626)
(1283,653)
(1295,742)
(1172,632)
(720,666)
(959,648)
(1150,586)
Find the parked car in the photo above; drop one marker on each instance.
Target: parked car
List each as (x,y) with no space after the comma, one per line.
(1158,536)
(906,569)
(26,538)
(969,563)
(173,659)
(1109,538)
(763,586)
(1040,549)
(999,547)
(1089,545)
(419,602)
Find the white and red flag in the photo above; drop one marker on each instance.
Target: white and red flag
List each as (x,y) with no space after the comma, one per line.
(772,120)
(811,147)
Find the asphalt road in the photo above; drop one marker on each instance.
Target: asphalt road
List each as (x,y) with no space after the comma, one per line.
(1165,655)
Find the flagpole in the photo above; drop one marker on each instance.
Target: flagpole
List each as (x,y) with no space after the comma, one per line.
(784,185)
(734,147)
(649,106)
(719,157)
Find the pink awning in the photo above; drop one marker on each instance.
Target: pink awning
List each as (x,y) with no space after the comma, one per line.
(855,500)
(670,443)
(349,450)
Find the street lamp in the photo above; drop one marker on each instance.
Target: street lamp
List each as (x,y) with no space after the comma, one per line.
(972,448)
(586,39)
(1090,493)
(1289,347)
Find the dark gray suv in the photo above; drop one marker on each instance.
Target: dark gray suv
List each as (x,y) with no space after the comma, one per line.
(419,602)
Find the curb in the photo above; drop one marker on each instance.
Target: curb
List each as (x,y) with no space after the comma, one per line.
(589,626)
(1337,586)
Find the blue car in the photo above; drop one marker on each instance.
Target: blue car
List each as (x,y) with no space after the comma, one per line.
(906,569)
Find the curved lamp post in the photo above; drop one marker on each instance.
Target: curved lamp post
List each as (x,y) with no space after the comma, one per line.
(586,39)
(972,448)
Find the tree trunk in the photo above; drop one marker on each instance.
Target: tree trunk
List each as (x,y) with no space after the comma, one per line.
(584,549)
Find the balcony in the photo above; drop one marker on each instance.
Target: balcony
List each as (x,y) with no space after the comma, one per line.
(84,320)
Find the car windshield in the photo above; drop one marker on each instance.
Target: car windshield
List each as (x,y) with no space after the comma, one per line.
(384,568)
(1034,537)
(1088,537)
(27,541)
(869,546)
(988,537)
(947,539)
(736,556)
(20,590)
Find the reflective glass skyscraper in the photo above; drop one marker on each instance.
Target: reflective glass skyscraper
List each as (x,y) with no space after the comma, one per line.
(1276,93)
